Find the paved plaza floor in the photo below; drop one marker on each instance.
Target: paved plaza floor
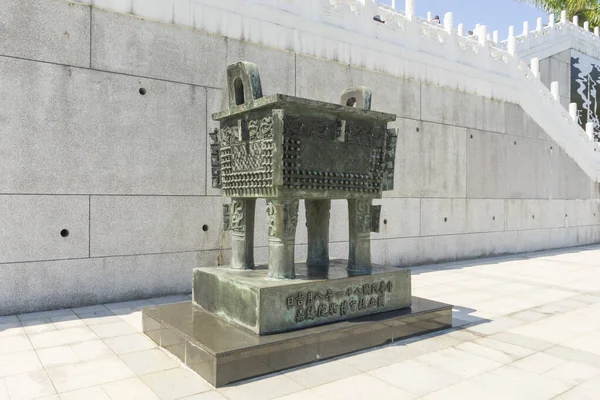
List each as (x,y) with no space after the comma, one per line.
(525,327)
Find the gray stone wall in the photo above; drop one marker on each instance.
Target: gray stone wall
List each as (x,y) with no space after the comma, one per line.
(83,150)
(557,68)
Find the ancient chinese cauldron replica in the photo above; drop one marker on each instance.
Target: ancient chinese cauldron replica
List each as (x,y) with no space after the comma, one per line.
(247,320)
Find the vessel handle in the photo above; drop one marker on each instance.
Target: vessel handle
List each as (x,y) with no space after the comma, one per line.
(357,96)
(243,82)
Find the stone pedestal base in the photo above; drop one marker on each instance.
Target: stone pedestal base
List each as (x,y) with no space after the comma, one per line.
(223,353)
(318,295)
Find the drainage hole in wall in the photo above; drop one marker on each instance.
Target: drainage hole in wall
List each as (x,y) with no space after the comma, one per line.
(515,142)
(417,129)
(471,136)
(550,147)
(205,228)
(533,216)
(566,215)
(64,233)
(493,218)
(142,91)
(445,219)
(385,221)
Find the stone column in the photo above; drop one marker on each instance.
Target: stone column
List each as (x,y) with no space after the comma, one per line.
(359,215)
(242,237)
(317,223)
(282,218)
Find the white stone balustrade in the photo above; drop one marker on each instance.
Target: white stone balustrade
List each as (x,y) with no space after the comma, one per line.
(409,47)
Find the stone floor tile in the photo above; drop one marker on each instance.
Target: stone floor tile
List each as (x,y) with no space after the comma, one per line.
(92,373)
(459,362)
(30,385)
(528,315)
(89,309)
(320,373)
(486,352)
(134,304)
(51,397)
(14,344)
(570,354)
(92,350)
(589,343)
(307,394)
(538,363)
(214,395)
(465,390)
(11,329)
(99,317)
(8,319)
(129,389)
(516,383)
(148,361)
(496,325)
(3,391)
(134,320)
(129,343)
(38,325)
(266,388)
(56,356)
(67,322)
(578,393)
(44,314)
(175,383)
(91,393)
(521,341)
(573,373)
(18,363)
(361,387)
(376,358)
(112,329)
(61,337)
(416,377)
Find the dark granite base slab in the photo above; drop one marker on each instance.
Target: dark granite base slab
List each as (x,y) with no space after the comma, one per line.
(222,353)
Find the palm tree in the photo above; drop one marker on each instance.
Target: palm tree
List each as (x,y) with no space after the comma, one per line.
(585,10)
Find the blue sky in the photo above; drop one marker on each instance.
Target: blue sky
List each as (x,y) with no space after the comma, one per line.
(496,14)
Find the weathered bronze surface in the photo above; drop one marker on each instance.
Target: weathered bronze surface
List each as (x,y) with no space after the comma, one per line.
(287,149)
(223,353)
(317,296)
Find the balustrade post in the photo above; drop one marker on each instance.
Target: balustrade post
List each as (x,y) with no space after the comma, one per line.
(535,67)
(589,129)
(409,9)
(554,90)
(573,111)
(449,22)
